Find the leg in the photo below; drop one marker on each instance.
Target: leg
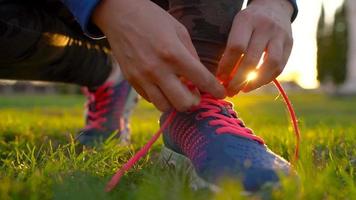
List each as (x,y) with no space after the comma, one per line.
(43,42)
(36,45)
(209,23)
(211,139)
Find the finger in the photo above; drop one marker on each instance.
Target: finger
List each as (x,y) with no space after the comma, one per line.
(271,67)
(141,91)
(177,93)
(237,44)
(249,62)
(134,84)
(193,70)
(287,51)
(157,98)
(151,93)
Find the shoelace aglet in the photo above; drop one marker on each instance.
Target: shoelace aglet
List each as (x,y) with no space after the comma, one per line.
(141,153)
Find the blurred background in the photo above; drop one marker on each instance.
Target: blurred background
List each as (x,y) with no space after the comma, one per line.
(322,59)
(39,121)
(324,48)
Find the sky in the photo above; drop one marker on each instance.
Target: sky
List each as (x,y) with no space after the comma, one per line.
(302,63)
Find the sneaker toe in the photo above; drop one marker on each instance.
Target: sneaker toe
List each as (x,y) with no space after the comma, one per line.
(252,163)
(256,179)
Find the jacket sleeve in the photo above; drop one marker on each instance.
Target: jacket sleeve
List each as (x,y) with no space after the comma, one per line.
(295,7)
(82,11)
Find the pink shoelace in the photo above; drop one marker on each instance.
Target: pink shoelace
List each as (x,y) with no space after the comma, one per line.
(100,98)
(228,124)
(231,125)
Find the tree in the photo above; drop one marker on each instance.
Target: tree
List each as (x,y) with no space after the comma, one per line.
(332,48)
(349,86)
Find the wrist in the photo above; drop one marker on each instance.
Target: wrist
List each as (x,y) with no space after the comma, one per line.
(108,11)
(100,14)
(285,6)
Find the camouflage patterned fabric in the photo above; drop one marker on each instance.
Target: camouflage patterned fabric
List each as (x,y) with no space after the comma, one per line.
(27,29)
(209,23)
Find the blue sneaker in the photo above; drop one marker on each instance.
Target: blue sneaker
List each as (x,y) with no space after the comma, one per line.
(215,143)
(108,109)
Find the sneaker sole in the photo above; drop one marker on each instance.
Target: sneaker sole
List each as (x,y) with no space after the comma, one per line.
(130,103)
(180,162)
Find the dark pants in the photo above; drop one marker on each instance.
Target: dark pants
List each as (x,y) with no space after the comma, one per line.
(39,39)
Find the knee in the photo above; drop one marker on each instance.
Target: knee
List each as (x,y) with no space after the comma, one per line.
(209,23)
(208,19)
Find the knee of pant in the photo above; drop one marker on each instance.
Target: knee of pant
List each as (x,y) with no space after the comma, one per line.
(208,23)
(19,30)
(206,19)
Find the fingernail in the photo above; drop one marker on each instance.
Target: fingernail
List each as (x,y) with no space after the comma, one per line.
(249,87)
(196,96)
(245,90)
(196,99)
(233,93)
(221,92)
(225,93)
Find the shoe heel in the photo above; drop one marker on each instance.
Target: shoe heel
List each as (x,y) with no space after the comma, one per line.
(131,102)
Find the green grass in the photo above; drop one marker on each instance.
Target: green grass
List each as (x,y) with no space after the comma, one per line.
(38,159)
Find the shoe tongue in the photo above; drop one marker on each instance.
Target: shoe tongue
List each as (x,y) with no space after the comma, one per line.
(223,109)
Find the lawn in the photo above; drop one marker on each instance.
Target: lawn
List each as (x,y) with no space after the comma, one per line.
(39,160)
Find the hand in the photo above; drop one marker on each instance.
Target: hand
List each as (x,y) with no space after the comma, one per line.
(155,53)
(264,26)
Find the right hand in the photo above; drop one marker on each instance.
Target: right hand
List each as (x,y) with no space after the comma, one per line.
(154,52)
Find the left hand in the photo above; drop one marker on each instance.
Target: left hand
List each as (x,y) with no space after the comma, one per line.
(264,26)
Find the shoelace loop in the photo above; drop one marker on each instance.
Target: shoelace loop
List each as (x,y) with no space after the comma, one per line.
(99,99)
(144,150)
(231,125)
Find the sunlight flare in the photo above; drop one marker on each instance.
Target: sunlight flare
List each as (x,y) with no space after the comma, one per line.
(251,76)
